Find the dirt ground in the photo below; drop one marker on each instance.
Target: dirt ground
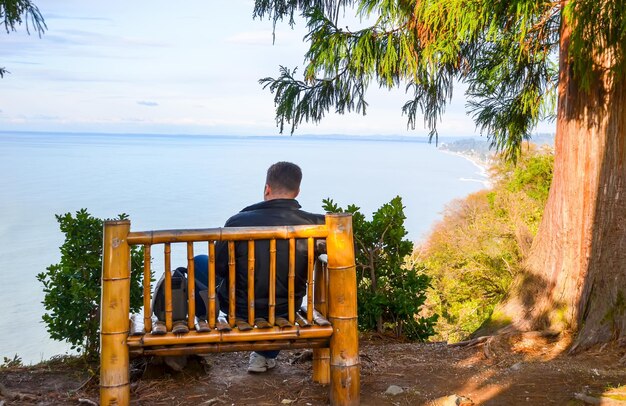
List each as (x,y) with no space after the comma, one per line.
(509,369)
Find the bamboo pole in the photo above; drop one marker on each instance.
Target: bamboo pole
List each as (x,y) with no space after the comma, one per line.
(283,322)
(260,322)
(291,297)
(320,292)
(211,311)
(114,308)
(227,234)
(342,311)
(319,319)
(271,306)
(310,280)
(233,336)
(232,300)
(243,325)
(251,282)
(147,311)
(321,365)
(231,347)
(302,322)
(191,288)
(222,324)
(321,356)
(167,249)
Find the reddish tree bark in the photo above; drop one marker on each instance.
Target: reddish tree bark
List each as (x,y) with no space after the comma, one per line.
(576,276)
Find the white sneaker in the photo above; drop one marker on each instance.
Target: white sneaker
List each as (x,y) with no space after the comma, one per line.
(259,363)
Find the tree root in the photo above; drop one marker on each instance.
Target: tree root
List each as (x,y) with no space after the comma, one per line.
(471,343)
(510,336)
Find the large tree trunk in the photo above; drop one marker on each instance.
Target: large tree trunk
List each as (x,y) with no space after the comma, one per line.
(576,276)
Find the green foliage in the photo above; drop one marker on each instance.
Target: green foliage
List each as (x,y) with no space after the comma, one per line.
(504,51)
(533,177)
(72,287)
(390,291)
(16,361)
(474,253)
(16,12)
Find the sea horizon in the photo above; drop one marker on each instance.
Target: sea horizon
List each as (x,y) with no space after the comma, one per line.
(330,136)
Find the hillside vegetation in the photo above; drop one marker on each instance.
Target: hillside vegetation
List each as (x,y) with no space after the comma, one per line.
(473,254)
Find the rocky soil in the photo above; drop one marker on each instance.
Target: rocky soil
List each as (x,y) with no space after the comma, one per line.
(512,369)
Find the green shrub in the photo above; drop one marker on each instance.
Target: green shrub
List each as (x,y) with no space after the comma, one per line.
(14,362)
(390,292)
(72,287)
(474,252)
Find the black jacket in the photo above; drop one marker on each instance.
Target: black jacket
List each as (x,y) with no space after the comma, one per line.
(277,212)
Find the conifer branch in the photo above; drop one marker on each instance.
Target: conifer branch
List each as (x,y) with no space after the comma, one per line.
(16,12)
(298,101)
(503,51)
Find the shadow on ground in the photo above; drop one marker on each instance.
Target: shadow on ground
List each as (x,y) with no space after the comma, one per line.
(510,369)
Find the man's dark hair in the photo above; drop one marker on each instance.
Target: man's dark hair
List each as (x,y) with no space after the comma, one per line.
(284,176)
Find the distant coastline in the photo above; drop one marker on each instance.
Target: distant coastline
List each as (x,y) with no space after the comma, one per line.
(483,166)
(479,153)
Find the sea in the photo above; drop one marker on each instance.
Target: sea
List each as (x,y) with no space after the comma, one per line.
(189,181)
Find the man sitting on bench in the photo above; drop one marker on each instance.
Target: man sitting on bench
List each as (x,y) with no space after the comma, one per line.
(278,208)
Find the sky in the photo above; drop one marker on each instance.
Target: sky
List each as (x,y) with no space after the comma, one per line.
(165,68)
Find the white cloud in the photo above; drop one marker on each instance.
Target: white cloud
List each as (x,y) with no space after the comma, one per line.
(147,103)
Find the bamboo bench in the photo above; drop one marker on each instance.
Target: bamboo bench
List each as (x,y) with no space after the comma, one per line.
(328,324)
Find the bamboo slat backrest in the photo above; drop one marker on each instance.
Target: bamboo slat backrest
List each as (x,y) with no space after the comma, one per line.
(230,236)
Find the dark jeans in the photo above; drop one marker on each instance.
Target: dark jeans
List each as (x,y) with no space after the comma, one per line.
(269,354)
(201,277)
(201,272)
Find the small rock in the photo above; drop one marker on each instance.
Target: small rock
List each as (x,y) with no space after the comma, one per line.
(463,401)
(590,400)
(394,390)
(452,400)
(516,367)
(287,401)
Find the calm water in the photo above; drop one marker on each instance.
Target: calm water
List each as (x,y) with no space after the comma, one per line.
(165,182)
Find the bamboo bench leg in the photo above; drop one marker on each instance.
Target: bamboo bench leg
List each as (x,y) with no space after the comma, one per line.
(114,322)
(342,312)
(321,365)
